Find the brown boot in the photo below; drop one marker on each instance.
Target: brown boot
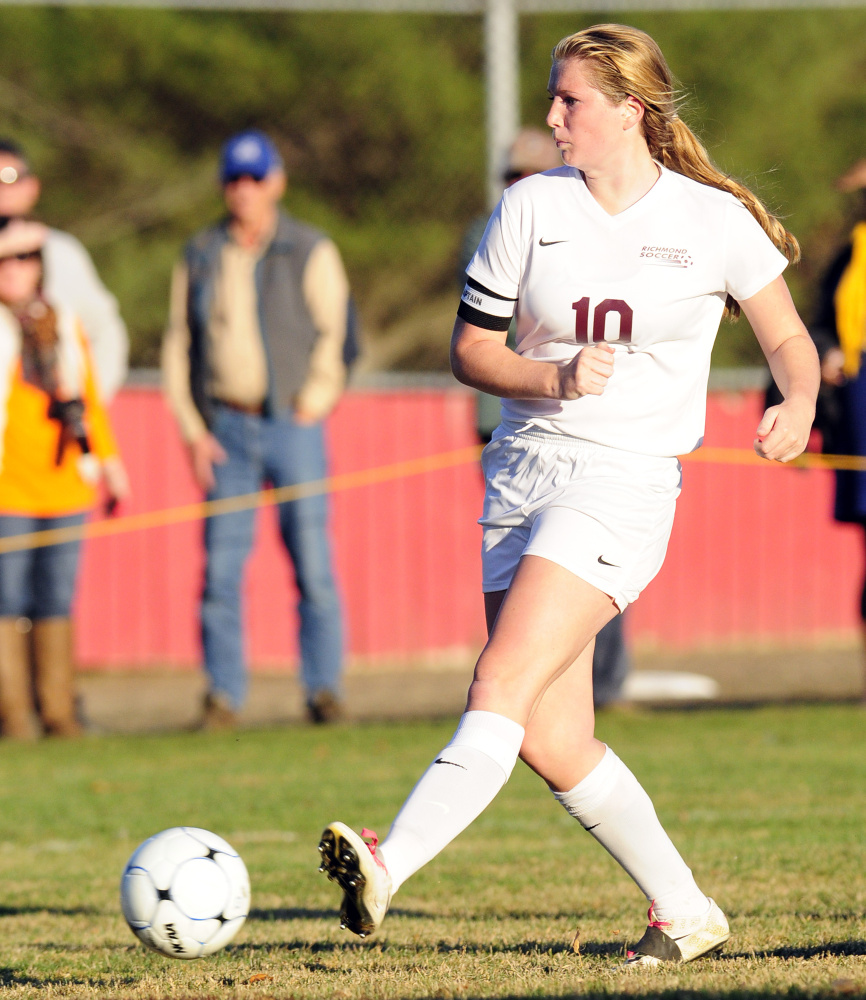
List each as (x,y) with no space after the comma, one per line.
(218,713)
(55,680)
(324,708)
(16,694)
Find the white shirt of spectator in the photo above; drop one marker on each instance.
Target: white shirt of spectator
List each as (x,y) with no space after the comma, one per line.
(71,279)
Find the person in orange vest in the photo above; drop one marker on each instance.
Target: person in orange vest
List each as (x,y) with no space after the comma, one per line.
(56,445)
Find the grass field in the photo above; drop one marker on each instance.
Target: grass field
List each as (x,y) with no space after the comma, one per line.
(767,805)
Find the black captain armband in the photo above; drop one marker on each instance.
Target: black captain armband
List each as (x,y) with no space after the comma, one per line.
(481,307)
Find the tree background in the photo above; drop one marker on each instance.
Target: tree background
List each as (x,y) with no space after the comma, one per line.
(380,118)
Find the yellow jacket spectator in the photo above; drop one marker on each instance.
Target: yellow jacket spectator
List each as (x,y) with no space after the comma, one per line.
(32,480)
(55,446)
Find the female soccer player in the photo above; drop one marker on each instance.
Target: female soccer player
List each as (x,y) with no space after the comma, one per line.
(619,265)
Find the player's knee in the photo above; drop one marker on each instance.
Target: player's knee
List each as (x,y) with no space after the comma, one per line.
(501,691)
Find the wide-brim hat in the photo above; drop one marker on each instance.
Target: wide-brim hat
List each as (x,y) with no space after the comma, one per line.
(21,236)
(532,151)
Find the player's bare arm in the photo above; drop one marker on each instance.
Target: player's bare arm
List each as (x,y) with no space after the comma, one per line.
(783,432)
(481,359)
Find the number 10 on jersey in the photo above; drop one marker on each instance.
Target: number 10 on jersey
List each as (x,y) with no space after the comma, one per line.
(622,315)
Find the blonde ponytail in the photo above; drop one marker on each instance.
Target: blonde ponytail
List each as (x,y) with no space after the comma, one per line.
(685,154)
(625,62)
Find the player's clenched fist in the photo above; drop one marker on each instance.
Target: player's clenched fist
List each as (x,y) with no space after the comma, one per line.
(587,373)
(783,432)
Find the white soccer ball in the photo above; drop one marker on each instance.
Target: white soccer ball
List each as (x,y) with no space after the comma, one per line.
(185,892)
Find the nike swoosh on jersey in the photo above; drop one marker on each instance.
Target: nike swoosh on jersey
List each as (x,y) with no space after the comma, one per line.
(549,243)
(604,562)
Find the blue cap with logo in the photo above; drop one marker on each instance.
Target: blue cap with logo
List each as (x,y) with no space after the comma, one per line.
(248,154)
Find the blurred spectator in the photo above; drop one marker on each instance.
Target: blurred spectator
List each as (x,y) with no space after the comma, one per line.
(839,332)
(253,361)
(56,445)
(70,276)
(611,664)
(532,152)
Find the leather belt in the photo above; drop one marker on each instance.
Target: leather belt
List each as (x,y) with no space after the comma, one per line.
(251,409)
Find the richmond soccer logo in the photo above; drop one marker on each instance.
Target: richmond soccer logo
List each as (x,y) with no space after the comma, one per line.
(666,256)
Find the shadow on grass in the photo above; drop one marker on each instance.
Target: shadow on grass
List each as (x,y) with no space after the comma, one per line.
(540,948)
(11,977)
(835,949)
(81,949)
(301,913)
(589,949)
(54,911)
(14,977)
(746,705)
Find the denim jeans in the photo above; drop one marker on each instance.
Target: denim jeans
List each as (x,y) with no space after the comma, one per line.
(611,663)
(280,452)
(38,583)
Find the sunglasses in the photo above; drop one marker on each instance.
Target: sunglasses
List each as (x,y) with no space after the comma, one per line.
(11,175)
(234,178)
(27,255)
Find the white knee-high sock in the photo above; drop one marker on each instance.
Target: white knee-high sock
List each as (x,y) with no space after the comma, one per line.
(457,787)
(611,804)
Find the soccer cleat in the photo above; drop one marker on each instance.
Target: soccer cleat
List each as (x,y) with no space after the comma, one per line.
(351,861)
(682,941)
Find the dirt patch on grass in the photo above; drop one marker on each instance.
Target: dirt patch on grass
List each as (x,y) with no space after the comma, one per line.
(147,700)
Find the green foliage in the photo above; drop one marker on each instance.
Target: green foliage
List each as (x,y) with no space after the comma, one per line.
(766,805)
(381,121)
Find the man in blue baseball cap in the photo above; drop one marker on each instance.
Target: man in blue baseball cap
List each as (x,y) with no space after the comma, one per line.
(253,361)
(249,154)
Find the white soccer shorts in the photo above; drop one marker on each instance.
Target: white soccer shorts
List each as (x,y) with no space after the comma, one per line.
(602,513)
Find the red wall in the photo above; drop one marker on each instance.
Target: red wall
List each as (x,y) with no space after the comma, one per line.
(754,555)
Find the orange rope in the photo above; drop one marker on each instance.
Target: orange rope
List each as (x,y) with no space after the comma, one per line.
(353,480)
(247,501)
(746,456)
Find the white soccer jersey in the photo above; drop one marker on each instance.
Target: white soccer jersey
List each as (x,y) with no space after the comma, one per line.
(650,281)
